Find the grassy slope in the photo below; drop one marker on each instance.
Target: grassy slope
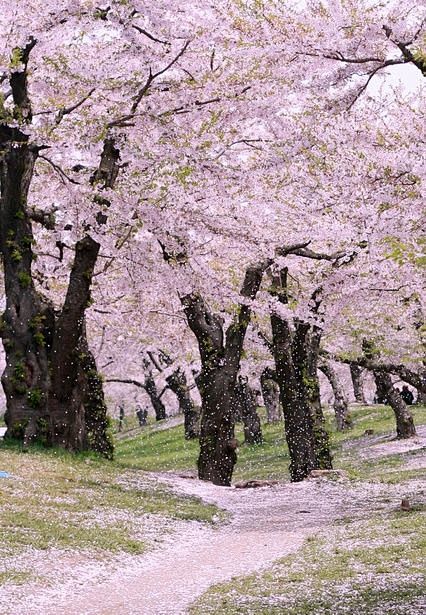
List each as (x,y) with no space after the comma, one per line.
(56,500)
(167,450)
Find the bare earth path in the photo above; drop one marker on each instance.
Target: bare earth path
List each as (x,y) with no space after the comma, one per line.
(266,523)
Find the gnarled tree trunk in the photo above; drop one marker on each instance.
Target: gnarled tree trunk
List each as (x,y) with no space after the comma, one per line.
(73,370)
(47,384)
(27,324)
(404,419)
(340,403)
(220,363)
(296,355)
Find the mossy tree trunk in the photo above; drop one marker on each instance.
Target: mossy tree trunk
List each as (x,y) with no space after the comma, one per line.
(296,355)
(77,412)
(49,388)
(27,324)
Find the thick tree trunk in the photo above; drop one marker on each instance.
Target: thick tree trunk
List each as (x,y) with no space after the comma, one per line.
(249,416)
(47,387)
(296,356)
(220,359)
(271,396)
(340,404)
(217,442)
(357,382)
(98,436)
(298,420)
(28,322)
(178,384)
(404,420)
(77,422)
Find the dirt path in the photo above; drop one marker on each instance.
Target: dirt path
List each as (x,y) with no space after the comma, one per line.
(266,524)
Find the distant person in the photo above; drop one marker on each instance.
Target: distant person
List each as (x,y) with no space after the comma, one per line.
(407,395)
(121,415)
(142,415)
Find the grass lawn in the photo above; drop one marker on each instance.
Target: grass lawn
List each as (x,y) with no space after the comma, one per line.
(56,500)
(168,450)
(374,566)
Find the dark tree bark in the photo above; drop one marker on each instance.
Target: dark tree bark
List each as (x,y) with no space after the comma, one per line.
(357,382)
(298,419)
(374,363)
(296,356)
(76,424)
(49,388)
(27,324)
(306,347)
(271,396)
(178,384)
(340,403)
(152,391)
(247,403)
(404,420)
(220,359)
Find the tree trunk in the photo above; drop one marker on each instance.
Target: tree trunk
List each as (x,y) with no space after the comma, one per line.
(217,442)
(249,416)
(421,391)
(271,396)
(404,420)
(298,419)
(152,391)
(295,356)
(358,382)
(178,384)
(306,346)
(220,359)
(46,385)
(77,411)
(28,322)
(340,404)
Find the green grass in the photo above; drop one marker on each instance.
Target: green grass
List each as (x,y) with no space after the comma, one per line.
(80,502)
(55,499)
(368,567)
(167,450)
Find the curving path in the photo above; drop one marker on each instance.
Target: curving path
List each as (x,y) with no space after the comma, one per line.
(266,523)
